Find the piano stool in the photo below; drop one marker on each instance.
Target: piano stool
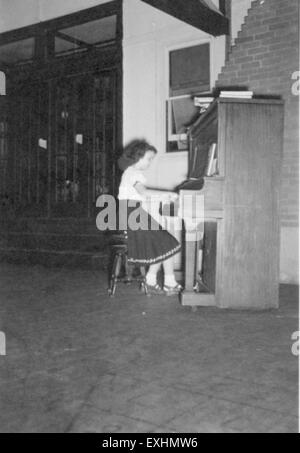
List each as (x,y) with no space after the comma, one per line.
(119,270)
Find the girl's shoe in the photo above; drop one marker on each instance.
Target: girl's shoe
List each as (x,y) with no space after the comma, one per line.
(155,290)
(173,290)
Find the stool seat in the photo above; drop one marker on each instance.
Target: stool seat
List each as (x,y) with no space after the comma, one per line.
(118,238)
(119,248)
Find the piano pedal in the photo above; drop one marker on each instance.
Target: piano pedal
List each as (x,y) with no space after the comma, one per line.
(197,287)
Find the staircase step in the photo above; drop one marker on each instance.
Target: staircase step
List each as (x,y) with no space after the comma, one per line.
(56,241)
(53,242)
(48,258)
(67,226)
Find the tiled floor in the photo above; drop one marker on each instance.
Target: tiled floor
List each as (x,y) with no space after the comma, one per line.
(79,362)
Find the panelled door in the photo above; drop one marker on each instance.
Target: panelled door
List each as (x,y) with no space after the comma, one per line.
(64,142)
(70,144)
(3,152)
(83,142)
(28,143)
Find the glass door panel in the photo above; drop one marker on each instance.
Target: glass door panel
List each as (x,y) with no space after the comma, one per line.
(71,150)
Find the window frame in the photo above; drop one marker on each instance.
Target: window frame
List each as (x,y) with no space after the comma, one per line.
(170,137)
(43,32)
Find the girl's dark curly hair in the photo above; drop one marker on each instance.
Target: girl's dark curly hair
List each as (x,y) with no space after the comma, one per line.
(133,152)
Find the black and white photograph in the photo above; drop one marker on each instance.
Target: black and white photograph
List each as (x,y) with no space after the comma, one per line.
(149,219)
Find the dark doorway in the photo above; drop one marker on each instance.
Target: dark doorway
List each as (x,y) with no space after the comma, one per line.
(65,111)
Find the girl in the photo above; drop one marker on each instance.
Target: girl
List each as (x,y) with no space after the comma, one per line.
(150,244)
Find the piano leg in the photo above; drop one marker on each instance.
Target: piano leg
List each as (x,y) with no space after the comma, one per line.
(190,265)
(189,297)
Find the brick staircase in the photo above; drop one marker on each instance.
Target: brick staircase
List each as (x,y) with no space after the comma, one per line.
(264,57)
(51,242)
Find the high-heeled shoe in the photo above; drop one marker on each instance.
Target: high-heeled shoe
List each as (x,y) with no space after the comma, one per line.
(155,290)
(172,290)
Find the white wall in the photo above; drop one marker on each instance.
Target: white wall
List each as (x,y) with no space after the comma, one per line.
(239,11)
(289,255)
(148,36)
(20,13)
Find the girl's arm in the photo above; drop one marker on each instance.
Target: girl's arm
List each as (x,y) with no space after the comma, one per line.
(164,195)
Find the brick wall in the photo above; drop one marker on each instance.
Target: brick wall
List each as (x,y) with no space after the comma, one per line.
(264,57)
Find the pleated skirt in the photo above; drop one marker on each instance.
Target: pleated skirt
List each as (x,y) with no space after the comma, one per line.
(148,241)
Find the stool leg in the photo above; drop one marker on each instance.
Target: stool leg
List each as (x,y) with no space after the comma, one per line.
(115,274)
(110,270)
(128,270)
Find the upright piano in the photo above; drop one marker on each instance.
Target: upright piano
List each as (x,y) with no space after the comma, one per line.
(236,231)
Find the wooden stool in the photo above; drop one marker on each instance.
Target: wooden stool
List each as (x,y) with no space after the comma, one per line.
(119,263)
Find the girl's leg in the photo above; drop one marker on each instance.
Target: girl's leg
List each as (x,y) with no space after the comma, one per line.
(169,280)
(151,277)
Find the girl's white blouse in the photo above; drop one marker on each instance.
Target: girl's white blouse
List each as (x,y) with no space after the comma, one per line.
(127,190)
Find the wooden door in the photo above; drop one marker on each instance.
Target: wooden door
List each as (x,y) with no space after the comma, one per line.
(23,146)
(63,142)
(104,135)
(3,152)
(70,146)
(83,142)
(29,148)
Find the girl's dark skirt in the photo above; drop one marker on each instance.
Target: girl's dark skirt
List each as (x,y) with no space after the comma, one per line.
(148,242)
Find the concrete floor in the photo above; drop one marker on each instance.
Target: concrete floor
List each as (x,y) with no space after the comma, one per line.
(79,362)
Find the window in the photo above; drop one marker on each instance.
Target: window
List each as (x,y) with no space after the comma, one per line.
(86,36)
(17,51)
(86,30)
(189,74)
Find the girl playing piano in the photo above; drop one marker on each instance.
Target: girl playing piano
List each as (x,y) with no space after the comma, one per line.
(149,244)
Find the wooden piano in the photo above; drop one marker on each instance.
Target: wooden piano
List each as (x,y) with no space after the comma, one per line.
(238,229)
